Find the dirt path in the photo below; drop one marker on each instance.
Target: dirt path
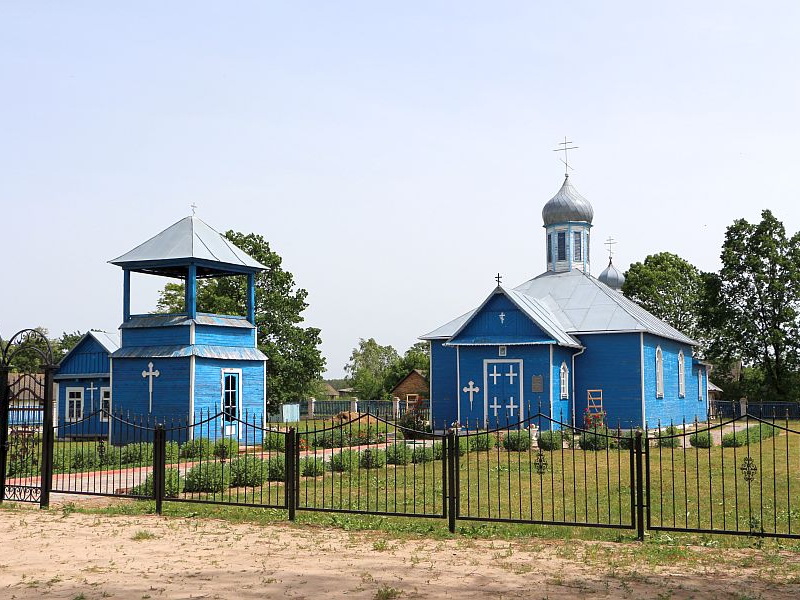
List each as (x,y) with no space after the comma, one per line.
(54,554)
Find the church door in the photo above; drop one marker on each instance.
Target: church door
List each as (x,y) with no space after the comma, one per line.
(503,398)
(231,402)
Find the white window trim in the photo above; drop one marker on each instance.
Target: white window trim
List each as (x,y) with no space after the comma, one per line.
(564,381)
(577,248)
(103,390)
(78,414)
(699,385)
(230,429)
(681,375)
(659,372)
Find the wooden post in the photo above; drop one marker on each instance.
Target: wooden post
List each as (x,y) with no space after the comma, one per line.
(191,292)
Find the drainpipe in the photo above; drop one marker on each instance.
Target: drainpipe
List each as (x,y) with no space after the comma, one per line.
(583,349)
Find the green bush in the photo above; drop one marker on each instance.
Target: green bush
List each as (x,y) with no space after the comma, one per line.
(274,440)
(414,425)
(701,439)
(334,438)
(346,460)
(627,440)
(83,458)
(138,453)
(550,440)
(422,454)
(597,439)
(247,471)
(310,466)
(398,454)
(198,449)
(744,437)
(172,452)
(482,441)
(663,439)
(276,468)
(225,448)
(734,440)
(517,441)
(372,458)
(172,485)
(366,435)
(207,477)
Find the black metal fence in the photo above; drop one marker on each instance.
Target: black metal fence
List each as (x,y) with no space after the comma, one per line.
(740,476)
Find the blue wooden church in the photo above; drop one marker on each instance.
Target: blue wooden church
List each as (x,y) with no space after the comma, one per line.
(565,344)
(175,366)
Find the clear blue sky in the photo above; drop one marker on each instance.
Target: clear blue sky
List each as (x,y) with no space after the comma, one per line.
(397,155)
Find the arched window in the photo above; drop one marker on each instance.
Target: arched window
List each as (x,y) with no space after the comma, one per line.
(659,373)
(681,375)
(564,380)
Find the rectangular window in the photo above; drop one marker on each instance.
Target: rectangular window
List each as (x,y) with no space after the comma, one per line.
(105,404)
(230,396)
(549,247)
(74,404)
(681,376)
(576,246)
(699,385)
(562,245)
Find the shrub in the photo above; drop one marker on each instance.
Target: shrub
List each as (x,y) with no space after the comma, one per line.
(310,466)
(734,440)
(597,439)
(422,454)
(627,440)
(414,425)
(398,454)
(83,458)
(207,477)
(743,437)
(663,439)
(517,441)
(276,469)
(372,458)
(482,441)
(334,438)
(346,460)
(701,439)
(366,435)
(172,485)
(172,452)
(198,448)
(550,440)
(247,471)
(274,440)
(226,448)
(138,453)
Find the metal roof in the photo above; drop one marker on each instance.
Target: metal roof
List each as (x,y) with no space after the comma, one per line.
(574,303)
(188,240)
(200,350)
(567,205)
(612,277)
(137,321)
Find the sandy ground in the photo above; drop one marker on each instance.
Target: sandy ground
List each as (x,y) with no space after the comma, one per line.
(57,554)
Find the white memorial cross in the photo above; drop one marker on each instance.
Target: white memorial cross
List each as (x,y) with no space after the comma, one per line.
(151,374)
(502,316)
(511,374)
(495,406)
(92,390)
(471,390)
(494,374)
(511,406)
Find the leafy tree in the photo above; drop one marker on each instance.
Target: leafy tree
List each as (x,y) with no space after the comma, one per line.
(754,303)
(65,343)
(370,365)
(295,362)
(670,288)
(416,357)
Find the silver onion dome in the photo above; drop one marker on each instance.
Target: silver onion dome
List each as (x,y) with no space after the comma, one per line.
(567,205)
(612,277)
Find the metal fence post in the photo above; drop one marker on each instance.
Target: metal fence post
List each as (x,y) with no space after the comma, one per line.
(46,481)
(639,488)
(3,428)
(452,491)
(291,472)
(159,466)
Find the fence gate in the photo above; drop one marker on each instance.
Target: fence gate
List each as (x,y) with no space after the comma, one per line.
(26,418)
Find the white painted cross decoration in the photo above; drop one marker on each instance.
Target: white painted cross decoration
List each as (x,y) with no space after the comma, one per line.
(495,406)
(511,374)
(494,374)
(511,406)
(151,374)
(471,390)
(92,390)
(502,316)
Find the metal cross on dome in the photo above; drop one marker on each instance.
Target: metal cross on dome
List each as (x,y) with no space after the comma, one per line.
(193,206)
(498,278)
(610,243)
(566,146)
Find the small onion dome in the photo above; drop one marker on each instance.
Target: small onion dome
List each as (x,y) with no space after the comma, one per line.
(567,205)
(612,277)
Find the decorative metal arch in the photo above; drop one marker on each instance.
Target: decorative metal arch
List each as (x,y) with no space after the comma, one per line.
(24,340)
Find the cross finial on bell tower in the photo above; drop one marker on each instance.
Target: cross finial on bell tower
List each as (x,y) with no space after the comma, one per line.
(610,243)
(193,206)
(566,147)
(498,278)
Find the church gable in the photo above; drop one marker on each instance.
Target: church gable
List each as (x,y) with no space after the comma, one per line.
(87,357)
(500,321)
